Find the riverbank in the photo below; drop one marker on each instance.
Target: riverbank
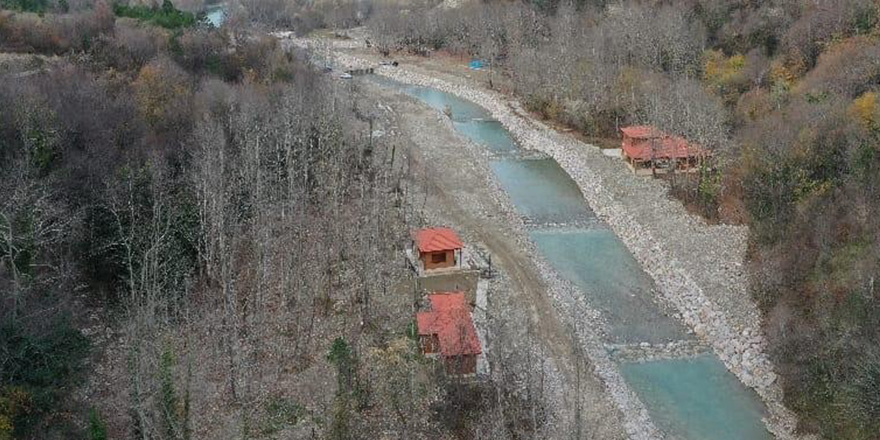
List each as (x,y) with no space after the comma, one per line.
(698,267)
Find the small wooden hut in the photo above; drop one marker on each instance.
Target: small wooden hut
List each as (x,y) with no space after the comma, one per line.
(438,248)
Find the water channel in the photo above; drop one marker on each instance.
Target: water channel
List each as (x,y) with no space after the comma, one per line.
(693,397)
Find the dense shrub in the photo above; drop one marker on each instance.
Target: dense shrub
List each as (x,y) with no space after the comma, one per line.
(166,16)
(53,33)
(811,187)
(847,68)
(163,91)
(41,364)
(821,22)
(130,46)
(26,5)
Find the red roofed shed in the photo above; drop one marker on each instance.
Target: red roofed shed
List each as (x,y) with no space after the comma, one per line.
(448,330)
(649,150)
(438,248)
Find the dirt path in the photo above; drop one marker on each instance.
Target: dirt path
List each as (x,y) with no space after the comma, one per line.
(454,175)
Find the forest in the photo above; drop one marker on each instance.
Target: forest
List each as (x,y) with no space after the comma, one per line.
(143,172)
(190,217)
(174,200)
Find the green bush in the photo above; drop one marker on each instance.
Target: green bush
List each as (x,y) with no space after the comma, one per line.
(97,426)
(166,16)
(41,364)
(343,358)
(38,6)
(279,414)
(169,402)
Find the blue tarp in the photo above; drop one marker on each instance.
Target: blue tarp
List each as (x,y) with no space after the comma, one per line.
(476,64)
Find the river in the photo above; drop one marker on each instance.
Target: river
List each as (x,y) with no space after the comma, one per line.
(688,395)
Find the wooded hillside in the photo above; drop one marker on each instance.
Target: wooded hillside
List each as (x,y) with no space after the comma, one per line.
(200,238)
(784,92)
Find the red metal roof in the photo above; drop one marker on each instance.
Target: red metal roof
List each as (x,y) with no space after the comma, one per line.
(645,142)
(450,319)
(641,132)
(437,239)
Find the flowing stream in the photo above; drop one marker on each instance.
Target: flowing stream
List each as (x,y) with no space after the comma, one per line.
(688,395)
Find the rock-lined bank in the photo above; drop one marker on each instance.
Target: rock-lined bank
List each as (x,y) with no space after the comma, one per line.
(707,287)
